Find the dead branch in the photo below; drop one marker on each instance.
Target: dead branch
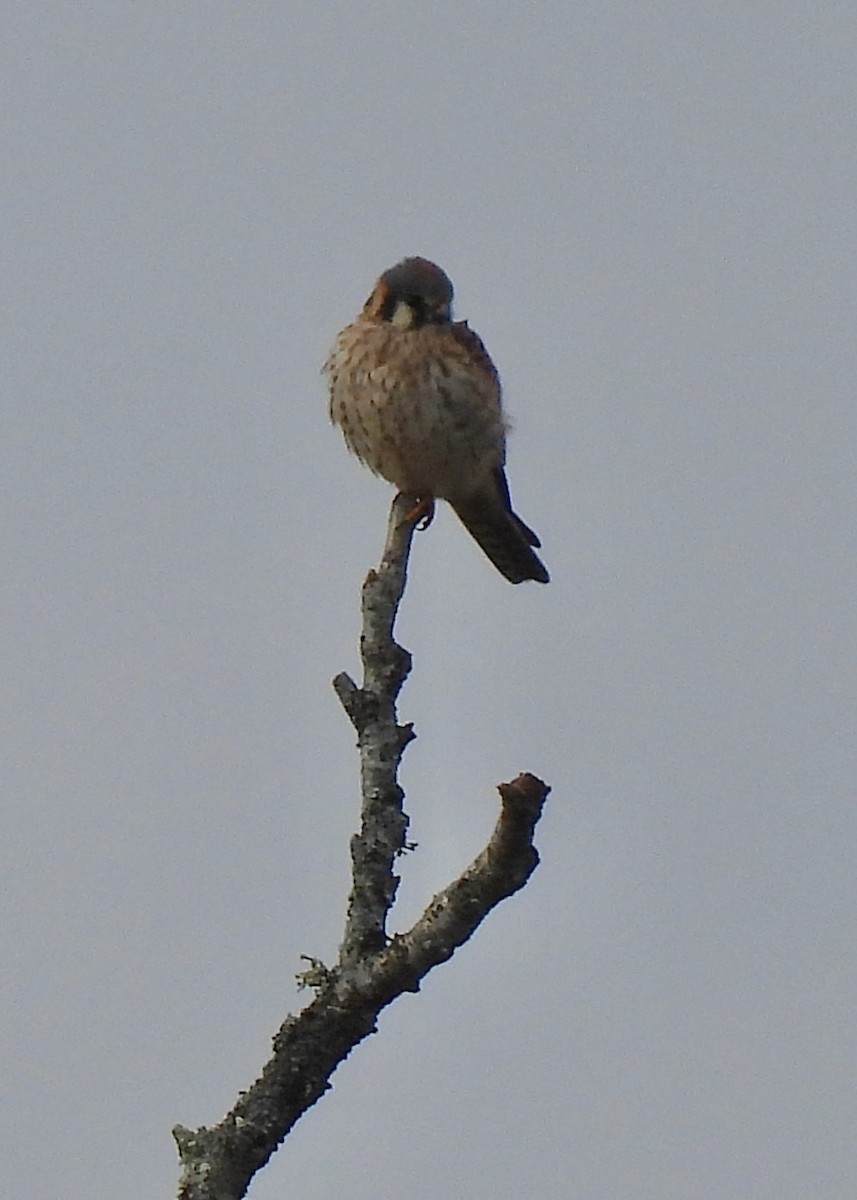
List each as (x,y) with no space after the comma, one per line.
(373,969)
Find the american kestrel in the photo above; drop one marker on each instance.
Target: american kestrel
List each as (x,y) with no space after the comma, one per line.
(418,400)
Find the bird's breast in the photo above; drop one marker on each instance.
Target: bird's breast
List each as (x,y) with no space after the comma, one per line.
(417,408)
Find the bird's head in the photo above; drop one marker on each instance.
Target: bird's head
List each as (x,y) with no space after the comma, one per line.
(414,292)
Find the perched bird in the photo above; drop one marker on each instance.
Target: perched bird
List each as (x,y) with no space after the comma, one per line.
(418,400)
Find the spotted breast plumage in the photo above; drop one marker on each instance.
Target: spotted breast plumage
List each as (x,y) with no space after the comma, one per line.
(418,400)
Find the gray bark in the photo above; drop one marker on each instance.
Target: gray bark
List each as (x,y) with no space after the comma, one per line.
(372,969)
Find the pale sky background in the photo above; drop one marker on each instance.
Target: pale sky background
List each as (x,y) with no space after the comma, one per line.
(649,212)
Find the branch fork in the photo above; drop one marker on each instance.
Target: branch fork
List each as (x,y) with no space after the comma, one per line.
(372,969)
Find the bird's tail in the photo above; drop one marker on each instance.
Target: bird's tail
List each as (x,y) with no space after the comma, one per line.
(503,536)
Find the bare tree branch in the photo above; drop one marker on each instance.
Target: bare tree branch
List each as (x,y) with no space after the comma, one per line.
(218,1163)
(381,742)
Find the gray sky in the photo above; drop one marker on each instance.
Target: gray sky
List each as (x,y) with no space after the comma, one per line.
(649,215)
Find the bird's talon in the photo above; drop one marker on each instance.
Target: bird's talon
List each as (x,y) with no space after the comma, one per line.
(422,513)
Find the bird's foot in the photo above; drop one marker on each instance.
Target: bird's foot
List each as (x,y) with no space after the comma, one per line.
(422,512)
